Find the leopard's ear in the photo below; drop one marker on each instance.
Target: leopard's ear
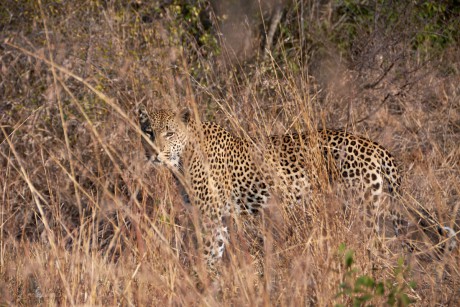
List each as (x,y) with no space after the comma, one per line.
(144,121)
(184,115)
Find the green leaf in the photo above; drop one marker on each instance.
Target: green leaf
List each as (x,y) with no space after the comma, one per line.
(359,301)
(405,300)
(349,259)
(342,248)
(380,289)
(344,285)
(365,281)
(391,299)
(365,297)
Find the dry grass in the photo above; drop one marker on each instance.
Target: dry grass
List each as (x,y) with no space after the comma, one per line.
(85,221)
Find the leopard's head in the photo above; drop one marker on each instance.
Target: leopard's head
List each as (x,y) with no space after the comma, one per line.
(167,131)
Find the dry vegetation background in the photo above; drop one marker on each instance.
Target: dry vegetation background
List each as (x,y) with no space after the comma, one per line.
(85,221)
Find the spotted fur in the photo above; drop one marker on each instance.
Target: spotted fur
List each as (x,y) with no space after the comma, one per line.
(221,173)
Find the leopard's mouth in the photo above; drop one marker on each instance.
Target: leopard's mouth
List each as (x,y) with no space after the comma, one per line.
(154,159)
(162,160)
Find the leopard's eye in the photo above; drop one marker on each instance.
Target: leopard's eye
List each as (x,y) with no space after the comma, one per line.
(169,134)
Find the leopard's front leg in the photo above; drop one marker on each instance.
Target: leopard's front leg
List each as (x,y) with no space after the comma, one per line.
(213,235)
(214,238)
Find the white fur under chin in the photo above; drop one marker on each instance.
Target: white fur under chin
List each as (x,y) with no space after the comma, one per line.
(451,234)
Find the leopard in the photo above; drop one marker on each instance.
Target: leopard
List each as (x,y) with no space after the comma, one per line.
(221,174)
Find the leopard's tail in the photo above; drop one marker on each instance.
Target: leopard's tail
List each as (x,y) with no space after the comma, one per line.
(393,177)
(427,221)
